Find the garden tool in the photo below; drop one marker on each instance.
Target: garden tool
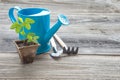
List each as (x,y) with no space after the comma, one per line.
(53,45)
(65,50)
(55,53)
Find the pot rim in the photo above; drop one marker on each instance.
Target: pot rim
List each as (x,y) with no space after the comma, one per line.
(15,42)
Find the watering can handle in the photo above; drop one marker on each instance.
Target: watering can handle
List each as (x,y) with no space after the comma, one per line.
(11,13)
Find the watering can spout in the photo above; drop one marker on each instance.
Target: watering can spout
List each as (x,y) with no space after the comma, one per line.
(62,20)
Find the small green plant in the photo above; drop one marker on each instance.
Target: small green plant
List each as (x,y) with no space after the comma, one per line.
(19,27)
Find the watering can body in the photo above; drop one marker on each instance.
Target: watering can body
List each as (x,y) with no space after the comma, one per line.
(41,27)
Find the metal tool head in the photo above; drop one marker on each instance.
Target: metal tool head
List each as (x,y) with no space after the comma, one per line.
(71,50)
(57,54)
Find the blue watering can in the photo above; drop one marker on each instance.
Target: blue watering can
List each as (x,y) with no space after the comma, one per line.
(41,27)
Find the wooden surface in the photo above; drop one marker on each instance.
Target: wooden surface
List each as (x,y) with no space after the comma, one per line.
(94,25)
(80,67)
(94,28)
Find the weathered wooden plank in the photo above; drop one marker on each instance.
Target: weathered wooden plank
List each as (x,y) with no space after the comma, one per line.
(83,5)
(80,67)
(94,28)
(84,29)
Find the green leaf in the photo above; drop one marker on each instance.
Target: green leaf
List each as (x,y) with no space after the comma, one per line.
(23,24)
(29,41)
(27,26)
(14,25)
(22,33)
(18,29)
(29,37)
(20,19)
(31,34)
(36,37)
(32,37)
(35,41)
(19,26)
(29,20)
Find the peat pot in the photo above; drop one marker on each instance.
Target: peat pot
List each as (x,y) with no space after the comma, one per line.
(26,53)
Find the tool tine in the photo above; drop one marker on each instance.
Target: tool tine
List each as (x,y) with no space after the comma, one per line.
(72,51)
(76,51)
(64,50)
(68,51)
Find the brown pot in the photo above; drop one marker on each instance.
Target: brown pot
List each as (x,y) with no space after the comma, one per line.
(26,53)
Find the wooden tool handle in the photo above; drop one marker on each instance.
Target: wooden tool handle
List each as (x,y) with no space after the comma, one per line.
(59,40)
(53,44)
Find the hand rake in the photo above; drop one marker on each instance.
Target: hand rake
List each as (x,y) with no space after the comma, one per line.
(66,50)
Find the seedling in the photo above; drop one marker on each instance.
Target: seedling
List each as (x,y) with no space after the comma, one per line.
(19,26)
(26,48)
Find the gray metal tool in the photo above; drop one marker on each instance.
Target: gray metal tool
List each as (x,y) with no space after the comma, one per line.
(66,50)
(56,53)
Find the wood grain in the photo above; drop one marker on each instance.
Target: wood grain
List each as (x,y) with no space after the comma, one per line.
(82,67)
(94,27)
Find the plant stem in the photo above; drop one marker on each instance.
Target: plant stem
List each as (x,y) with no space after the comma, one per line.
(25,41)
